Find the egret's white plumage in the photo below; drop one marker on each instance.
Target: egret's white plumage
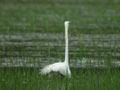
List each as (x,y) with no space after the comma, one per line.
(61,67)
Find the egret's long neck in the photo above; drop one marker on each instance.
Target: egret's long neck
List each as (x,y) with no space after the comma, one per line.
(66,43)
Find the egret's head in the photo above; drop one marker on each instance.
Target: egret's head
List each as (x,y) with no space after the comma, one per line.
(67,22)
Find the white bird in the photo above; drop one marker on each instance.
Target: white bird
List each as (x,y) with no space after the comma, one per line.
(60,67)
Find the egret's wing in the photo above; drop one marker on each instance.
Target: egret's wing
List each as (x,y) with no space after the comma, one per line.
(46,70)
(53,67)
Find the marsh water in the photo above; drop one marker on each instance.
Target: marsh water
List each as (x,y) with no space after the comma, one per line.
(38,50)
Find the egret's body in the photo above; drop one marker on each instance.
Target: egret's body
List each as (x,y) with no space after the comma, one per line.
(61,67)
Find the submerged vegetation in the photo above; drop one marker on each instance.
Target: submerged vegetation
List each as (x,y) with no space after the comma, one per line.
(32,36)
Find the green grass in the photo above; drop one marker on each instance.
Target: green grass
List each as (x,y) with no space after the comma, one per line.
(91,17)
(82,79)
(32,32)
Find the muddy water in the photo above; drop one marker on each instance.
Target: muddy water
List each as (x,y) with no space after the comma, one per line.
(38,50)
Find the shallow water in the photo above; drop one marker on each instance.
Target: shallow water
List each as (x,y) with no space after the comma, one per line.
(38,50)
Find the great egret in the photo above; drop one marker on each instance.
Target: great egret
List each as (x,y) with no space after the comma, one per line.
(61,67)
